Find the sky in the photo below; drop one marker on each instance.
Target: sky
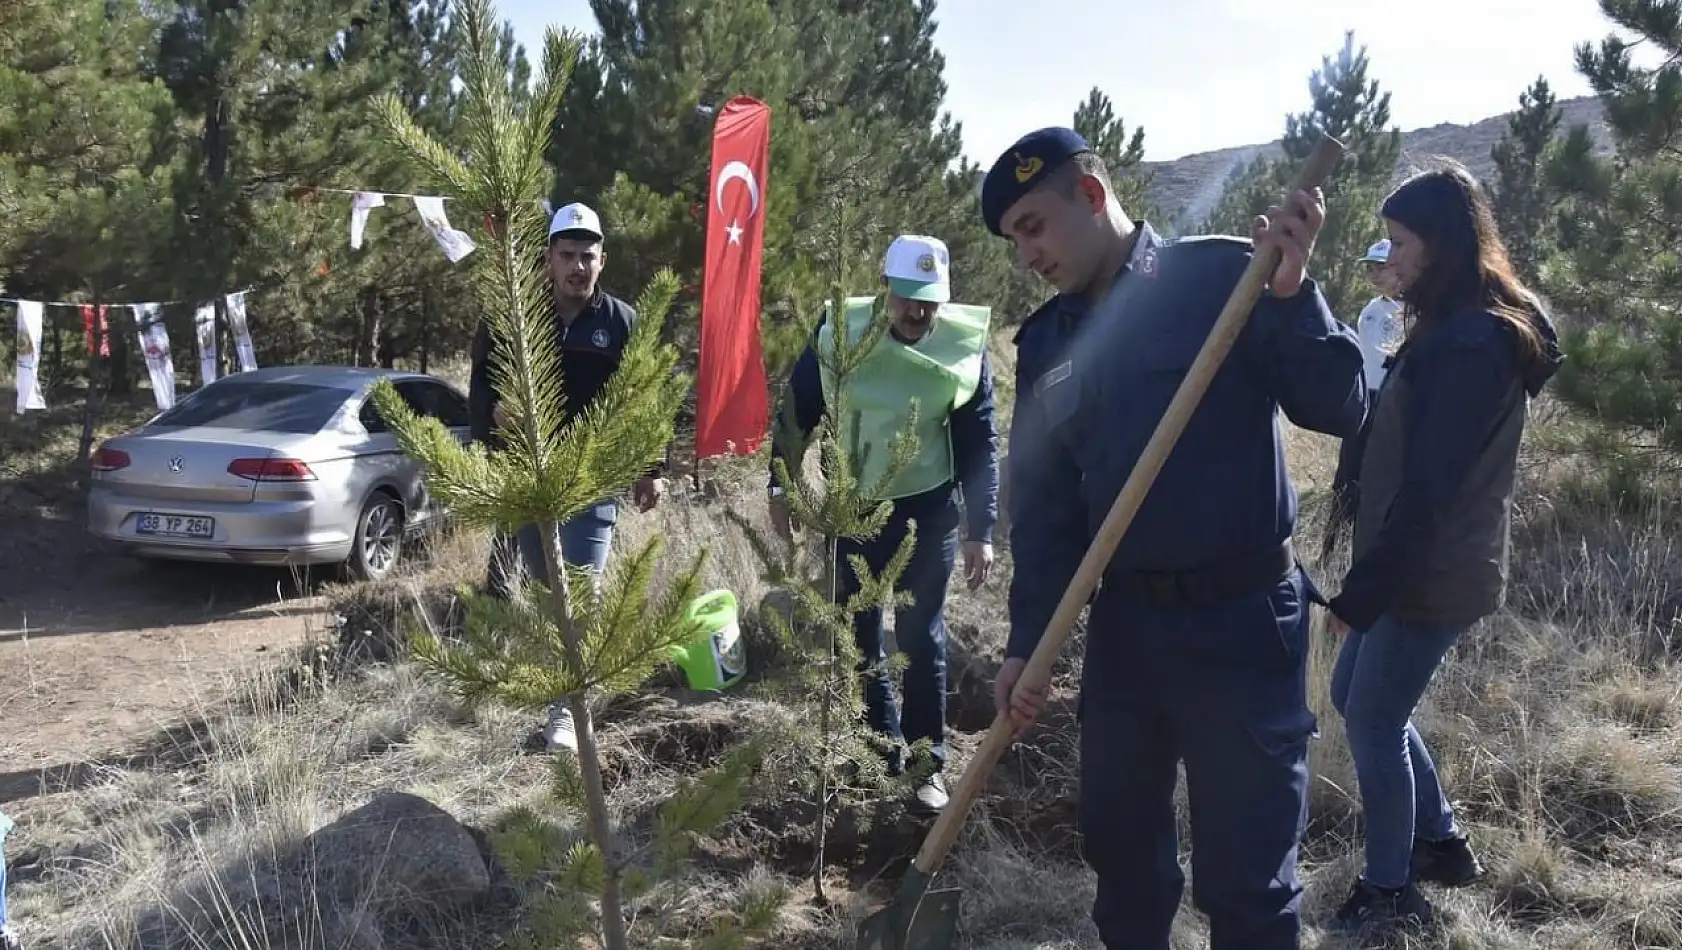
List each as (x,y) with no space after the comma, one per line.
(1208,74)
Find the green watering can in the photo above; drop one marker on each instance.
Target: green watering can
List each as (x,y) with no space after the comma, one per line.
(716,658)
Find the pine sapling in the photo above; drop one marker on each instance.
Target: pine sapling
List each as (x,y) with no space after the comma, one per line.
(579,636)
(820,675)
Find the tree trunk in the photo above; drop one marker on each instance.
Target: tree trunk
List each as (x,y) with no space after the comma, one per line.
(600,825)
(49,326)
(367,338)
(832,582)
(425,329)
(119,320)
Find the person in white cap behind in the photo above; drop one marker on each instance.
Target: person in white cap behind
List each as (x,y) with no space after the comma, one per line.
(1379,328)
(934,355)
(593,328)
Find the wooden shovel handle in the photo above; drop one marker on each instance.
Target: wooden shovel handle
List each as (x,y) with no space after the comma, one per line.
(1038,670)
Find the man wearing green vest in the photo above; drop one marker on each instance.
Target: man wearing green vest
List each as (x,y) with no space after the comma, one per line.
(934,355)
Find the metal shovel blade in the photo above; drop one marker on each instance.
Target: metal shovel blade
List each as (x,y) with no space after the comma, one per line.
(916,919)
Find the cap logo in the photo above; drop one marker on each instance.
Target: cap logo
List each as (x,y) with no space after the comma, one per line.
(577,215)
(926,263)
(1027,168)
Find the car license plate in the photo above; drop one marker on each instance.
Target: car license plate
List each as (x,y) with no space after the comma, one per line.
(175,526)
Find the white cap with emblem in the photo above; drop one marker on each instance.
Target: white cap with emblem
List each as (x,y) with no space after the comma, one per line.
(1379,253)
(576,217)
(919,268)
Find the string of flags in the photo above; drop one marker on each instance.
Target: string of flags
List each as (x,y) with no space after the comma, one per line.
(151,333)
(455,243)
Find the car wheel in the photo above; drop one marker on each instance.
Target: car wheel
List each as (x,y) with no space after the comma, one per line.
(379,539)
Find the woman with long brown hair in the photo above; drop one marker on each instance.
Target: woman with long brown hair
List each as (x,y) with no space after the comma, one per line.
(1431,530)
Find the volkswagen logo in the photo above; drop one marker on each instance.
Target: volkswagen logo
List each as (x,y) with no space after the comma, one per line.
(176,463)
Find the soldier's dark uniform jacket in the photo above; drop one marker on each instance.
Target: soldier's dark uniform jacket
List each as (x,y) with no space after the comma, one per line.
(1197,637)
(1090,392)
(591,350)
(1431,530)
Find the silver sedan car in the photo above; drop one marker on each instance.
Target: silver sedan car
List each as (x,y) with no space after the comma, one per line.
(286,465)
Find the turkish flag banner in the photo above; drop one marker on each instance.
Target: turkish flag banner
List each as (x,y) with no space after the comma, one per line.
(732,406)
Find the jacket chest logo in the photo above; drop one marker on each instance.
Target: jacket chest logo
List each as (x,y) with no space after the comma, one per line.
(599,338)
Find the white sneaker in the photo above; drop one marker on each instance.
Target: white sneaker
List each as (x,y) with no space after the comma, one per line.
(9,939)
(560,733)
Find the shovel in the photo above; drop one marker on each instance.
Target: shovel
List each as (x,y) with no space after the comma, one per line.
(920,919)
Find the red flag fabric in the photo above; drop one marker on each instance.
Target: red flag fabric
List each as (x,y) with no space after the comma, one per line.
(93,331)
(732,406)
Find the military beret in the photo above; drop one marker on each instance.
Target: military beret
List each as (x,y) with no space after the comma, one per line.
(1023,166)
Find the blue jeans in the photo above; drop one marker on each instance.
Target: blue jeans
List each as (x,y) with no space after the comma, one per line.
(920,629)
(1377,683)
(585,541)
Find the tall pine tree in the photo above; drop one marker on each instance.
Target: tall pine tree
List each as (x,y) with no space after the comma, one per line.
(84,193)
(1348,105)
(1523,207)
(1620,271)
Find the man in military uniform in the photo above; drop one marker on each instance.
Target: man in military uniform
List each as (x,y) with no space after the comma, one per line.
(592,328)
(1197,637)
(934,354)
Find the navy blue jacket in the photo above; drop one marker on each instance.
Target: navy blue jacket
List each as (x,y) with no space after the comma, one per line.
(975,444)
(1431,535)
(1091,388)
(590,352)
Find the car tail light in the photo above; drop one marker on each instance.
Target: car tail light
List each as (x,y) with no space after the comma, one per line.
(109,460)
(271,470)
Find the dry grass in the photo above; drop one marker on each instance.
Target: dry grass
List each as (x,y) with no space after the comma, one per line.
(1555,726)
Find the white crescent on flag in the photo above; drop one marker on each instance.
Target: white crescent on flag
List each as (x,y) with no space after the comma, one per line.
(742,171)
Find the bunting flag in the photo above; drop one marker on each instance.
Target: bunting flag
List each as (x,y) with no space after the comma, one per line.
(360,204)
(94,326)
(154,343)
(242,331)
(204,327)
(456,244)
(732,408)
(29,357)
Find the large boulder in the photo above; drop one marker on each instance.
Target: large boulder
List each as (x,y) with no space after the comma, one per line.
(397,853)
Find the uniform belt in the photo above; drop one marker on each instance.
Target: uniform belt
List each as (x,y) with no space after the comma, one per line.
(1209,583)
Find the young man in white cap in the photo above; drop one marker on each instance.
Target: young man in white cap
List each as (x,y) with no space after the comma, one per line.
(934,354)
(593,328)
(1379,328)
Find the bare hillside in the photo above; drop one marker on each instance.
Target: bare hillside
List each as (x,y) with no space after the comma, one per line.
(1187,188)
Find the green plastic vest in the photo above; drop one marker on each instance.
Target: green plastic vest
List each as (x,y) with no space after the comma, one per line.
(938,373)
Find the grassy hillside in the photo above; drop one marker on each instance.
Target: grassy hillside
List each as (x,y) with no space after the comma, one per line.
(1557,724)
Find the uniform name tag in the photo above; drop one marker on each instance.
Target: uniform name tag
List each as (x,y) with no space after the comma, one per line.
(1053,376)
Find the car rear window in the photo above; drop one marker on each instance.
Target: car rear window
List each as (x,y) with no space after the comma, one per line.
(270,407)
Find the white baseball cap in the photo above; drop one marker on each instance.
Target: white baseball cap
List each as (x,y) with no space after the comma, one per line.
(919,268)
(1379,253)
(576,217)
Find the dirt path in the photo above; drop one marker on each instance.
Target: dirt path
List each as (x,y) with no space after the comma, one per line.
(99,651)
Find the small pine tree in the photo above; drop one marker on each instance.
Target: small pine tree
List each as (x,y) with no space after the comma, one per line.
(1349,106)
(820,673)
(577,637)
(1523,206)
